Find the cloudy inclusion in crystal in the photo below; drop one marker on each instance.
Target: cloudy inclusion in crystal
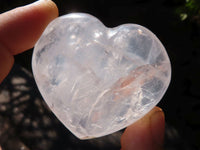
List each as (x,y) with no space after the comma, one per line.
(98,80)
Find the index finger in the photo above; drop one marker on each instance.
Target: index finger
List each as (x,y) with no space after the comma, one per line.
(21,27)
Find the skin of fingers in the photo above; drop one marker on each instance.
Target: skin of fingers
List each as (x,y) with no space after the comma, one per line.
(147,133)
(6,62)
(20,28)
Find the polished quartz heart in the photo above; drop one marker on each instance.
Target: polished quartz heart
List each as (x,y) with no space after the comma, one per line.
(98,80)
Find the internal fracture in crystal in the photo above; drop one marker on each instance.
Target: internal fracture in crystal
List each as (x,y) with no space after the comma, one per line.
(98,80)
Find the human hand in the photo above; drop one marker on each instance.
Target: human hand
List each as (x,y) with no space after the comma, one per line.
(147,133)
(20,29)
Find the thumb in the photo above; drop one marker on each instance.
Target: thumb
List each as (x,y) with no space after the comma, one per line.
(147,133)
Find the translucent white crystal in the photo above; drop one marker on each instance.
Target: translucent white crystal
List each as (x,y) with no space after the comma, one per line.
(98,80)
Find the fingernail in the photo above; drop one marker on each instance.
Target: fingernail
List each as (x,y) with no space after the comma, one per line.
(38,2)
(44,0)
(158,127)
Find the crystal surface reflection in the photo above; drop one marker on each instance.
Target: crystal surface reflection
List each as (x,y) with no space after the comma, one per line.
(98,80)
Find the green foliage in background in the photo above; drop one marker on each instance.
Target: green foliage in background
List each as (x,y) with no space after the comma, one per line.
(189,10)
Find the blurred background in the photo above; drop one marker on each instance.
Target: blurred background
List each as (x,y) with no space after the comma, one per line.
(26,123)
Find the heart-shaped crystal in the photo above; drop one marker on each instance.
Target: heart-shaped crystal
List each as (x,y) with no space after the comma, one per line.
(98,80)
